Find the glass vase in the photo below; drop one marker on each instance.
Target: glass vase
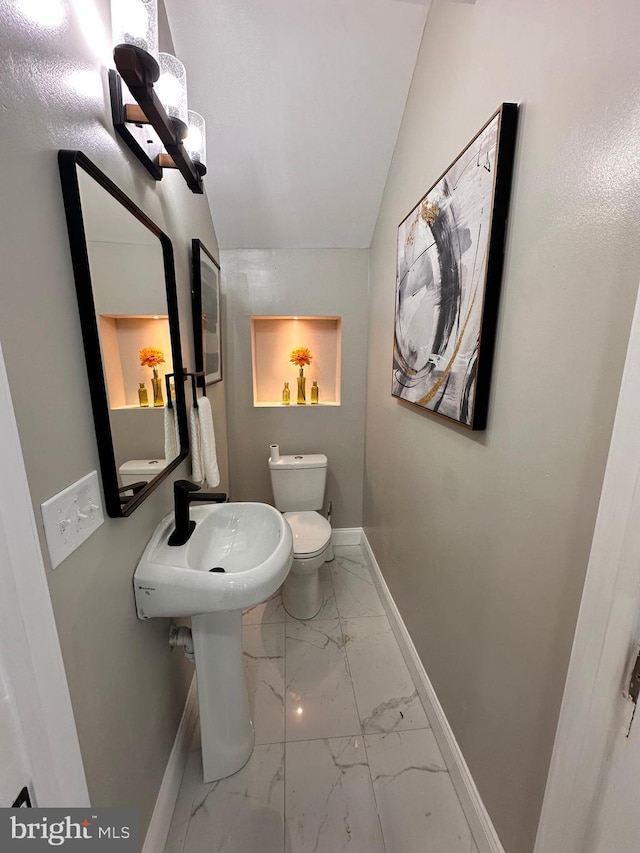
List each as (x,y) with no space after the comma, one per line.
(156,383)
(302,381)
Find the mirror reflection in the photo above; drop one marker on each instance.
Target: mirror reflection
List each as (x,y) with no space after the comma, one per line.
(127,275)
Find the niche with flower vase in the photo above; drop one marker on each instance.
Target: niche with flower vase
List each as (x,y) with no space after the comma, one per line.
(303,352)
(125,341)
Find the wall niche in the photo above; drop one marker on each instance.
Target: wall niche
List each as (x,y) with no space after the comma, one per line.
(273,338)
(121,339)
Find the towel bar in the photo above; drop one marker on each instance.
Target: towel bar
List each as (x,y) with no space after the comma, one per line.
(185,376)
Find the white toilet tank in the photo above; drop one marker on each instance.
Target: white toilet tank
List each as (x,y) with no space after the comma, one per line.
(298,481)
(136,470)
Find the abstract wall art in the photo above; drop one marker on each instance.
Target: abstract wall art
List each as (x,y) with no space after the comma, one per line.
(450,258)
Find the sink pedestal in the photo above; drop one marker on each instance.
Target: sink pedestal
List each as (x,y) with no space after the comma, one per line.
(225,724)
(253,545)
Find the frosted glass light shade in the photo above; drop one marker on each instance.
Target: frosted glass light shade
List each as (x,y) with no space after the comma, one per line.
(196,141)
(171,87)
(135,22)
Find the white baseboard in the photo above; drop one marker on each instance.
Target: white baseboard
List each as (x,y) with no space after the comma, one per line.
(346,536)
(484,832)
(158,831)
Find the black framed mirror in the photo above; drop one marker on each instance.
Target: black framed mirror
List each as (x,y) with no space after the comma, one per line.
(126,289)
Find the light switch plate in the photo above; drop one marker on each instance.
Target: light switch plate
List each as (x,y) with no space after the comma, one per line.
(71,516)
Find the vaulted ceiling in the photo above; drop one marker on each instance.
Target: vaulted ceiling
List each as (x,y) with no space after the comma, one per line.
(303,100)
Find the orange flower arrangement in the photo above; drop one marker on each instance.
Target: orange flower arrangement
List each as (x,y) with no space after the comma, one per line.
(151,357)
(301,356)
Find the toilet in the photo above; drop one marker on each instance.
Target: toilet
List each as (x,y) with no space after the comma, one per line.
(298,484)
(138,470)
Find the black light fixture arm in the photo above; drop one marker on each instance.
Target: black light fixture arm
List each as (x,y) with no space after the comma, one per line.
(139,81)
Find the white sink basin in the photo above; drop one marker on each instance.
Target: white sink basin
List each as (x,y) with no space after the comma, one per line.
(252,543)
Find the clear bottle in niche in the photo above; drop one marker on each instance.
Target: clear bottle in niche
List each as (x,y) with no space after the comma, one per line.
(314,393)
(286,395)
(143,396)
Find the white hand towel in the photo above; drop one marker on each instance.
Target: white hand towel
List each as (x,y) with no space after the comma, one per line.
(208,443)
(171,442)
(197,474)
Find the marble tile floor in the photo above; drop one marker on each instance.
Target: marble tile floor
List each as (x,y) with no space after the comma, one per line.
(345,760)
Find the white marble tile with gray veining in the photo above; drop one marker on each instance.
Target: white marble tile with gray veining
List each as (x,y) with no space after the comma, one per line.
(351,551)
(416,800)
(356,594)
(244,812)
(182,813)
(386,696)
(328,609)
(271,610)
(329,805)
(329,798)
(263,652)
(319,694)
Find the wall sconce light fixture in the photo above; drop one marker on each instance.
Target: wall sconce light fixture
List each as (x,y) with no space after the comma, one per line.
(141,106)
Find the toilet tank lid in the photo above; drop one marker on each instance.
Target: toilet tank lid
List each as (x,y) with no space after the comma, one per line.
(143,466)
(308,460)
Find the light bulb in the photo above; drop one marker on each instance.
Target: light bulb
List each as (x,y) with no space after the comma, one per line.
(135,22)
(168,89)
(194,137)
(196,141)
(171,87)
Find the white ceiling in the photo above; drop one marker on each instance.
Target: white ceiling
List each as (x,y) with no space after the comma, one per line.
(303,100)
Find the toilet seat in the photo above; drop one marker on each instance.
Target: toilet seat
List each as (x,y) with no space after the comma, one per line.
(311,533)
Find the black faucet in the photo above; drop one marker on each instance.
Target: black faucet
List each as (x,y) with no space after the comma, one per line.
(184,494)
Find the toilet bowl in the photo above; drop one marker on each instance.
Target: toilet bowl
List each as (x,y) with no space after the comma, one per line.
(298,484)
(302,591)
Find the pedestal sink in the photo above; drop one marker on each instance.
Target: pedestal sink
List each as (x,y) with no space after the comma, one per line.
(253,544)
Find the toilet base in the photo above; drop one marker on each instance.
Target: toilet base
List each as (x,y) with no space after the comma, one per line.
(302,592)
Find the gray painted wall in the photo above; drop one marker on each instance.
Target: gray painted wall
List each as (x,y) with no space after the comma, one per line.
(321,282)
(127,689)
(484,539)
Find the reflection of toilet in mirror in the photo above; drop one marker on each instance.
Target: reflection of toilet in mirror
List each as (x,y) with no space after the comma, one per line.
(139,471)
(298,484)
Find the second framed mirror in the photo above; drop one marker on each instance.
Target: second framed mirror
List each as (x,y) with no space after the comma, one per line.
(206,313)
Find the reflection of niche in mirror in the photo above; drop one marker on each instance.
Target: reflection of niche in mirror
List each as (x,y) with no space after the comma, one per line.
(135,435)
(121,339)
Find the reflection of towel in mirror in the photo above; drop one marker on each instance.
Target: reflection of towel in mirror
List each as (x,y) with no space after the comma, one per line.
(171,441)
(204,461)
